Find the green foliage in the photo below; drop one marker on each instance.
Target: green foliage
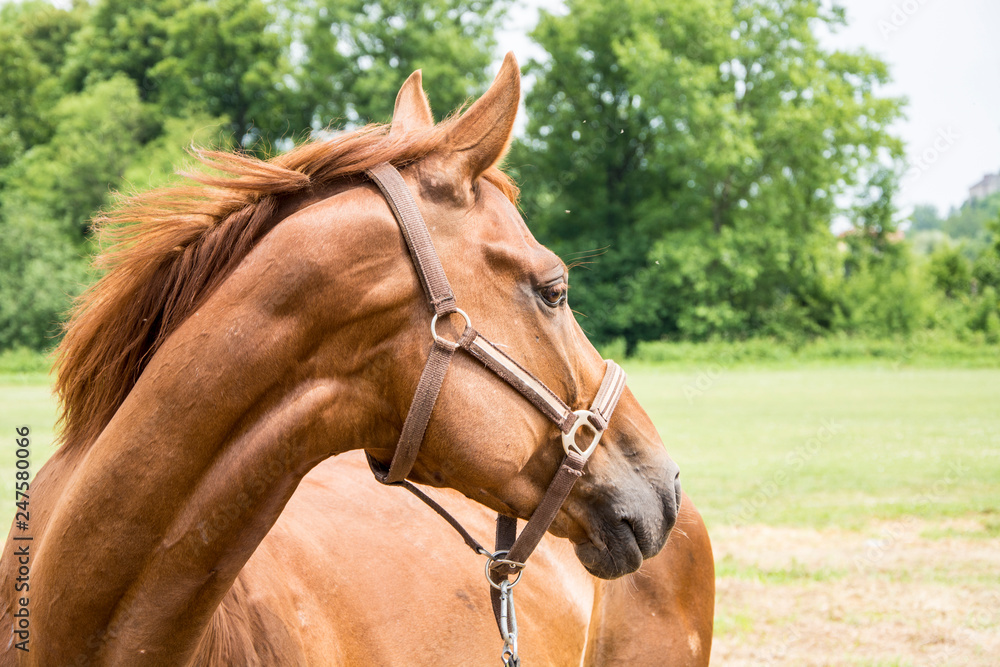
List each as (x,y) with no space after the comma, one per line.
(20,108)
(214,57)
(32,48)
(925,218)
(882,300)
(924,349)
(965,290)
(223,60)
(972,220)
(97,133)
(984,314)
(120,37)
(701,284)
(950,271)
(926,242)
(986,269)
(42,270)
(24,361)
(160,159)
(711,138)
(357,53)
(690,156)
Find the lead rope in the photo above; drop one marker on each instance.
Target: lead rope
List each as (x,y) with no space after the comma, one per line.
(511,553)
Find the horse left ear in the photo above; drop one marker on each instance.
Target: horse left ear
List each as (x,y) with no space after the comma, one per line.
(412,111)
(480,138)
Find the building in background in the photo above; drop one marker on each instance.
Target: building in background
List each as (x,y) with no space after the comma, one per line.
(985,187)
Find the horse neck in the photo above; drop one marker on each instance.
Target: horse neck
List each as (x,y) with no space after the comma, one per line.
(155,522)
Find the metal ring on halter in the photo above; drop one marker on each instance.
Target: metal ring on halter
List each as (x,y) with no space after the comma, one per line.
(495,558)
(444,341)
(569,439)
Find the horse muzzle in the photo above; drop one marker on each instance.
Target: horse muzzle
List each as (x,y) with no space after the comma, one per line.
(627,523)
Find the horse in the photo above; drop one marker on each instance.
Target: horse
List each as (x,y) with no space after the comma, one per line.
(267,317)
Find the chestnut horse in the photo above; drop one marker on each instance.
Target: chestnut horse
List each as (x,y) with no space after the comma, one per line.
(224,356)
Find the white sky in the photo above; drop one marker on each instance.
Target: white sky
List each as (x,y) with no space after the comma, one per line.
(944,56)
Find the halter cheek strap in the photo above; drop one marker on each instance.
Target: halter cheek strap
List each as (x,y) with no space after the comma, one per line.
(569,422)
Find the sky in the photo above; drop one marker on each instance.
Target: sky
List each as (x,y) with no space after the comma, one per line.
(944,57)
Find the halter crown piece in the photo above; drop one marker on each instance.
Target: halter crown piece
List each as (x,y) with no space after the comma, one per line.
(512,551)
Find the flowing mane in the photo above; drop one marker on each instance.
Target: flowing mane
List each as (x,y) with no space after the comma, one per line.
(166,250)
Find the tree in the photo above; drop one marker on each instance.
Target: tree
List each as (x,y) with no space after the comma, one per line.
(42,271)
(357,52)
(120,37)
(925,218)
(223,58)
(97,134)
(32,49)
(972,219)
(21,122)
(703,147)
(986,267)
(215,57)
(950,271)
(107,95)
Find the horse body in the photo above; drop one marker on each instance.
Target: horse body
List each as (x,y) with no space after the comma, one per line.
(370,576)
(227,353)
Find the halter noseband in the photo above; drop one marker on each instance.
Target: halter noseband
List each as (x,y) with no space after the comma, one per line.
(514,549)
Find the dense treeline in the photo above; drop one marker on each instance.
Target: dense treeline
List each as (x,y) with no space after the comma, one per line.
(691,157)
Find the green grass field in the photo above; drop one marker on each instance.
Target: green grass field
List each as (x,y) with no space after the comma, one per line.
(829,445)
(814,447)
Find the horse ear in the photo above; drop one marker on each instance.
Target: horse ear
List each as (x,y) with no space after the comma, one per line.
(412,111)
(480,138)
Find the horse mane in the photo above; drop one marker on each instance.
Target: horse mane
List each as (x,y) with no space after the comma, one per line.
(166,250)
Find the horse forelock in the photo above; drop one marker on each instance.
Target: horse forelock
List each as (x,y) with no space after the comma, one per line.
(164,251)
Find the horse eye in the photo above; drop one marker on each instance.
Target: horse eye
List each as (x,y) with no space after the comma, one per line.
(553,295)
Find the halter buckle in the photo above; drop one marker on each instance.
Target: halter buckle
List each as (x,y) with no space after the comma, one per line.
(569,439)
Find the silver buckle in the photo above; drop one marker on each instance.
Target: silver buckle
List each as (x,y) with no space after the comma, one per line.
(569,439)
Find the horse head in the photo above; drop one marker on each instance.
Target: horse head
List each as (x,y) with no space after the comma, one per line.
(484,438)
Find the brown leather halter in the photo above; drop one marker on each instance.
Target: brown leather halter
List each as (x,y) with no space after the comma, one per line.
(512,551)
